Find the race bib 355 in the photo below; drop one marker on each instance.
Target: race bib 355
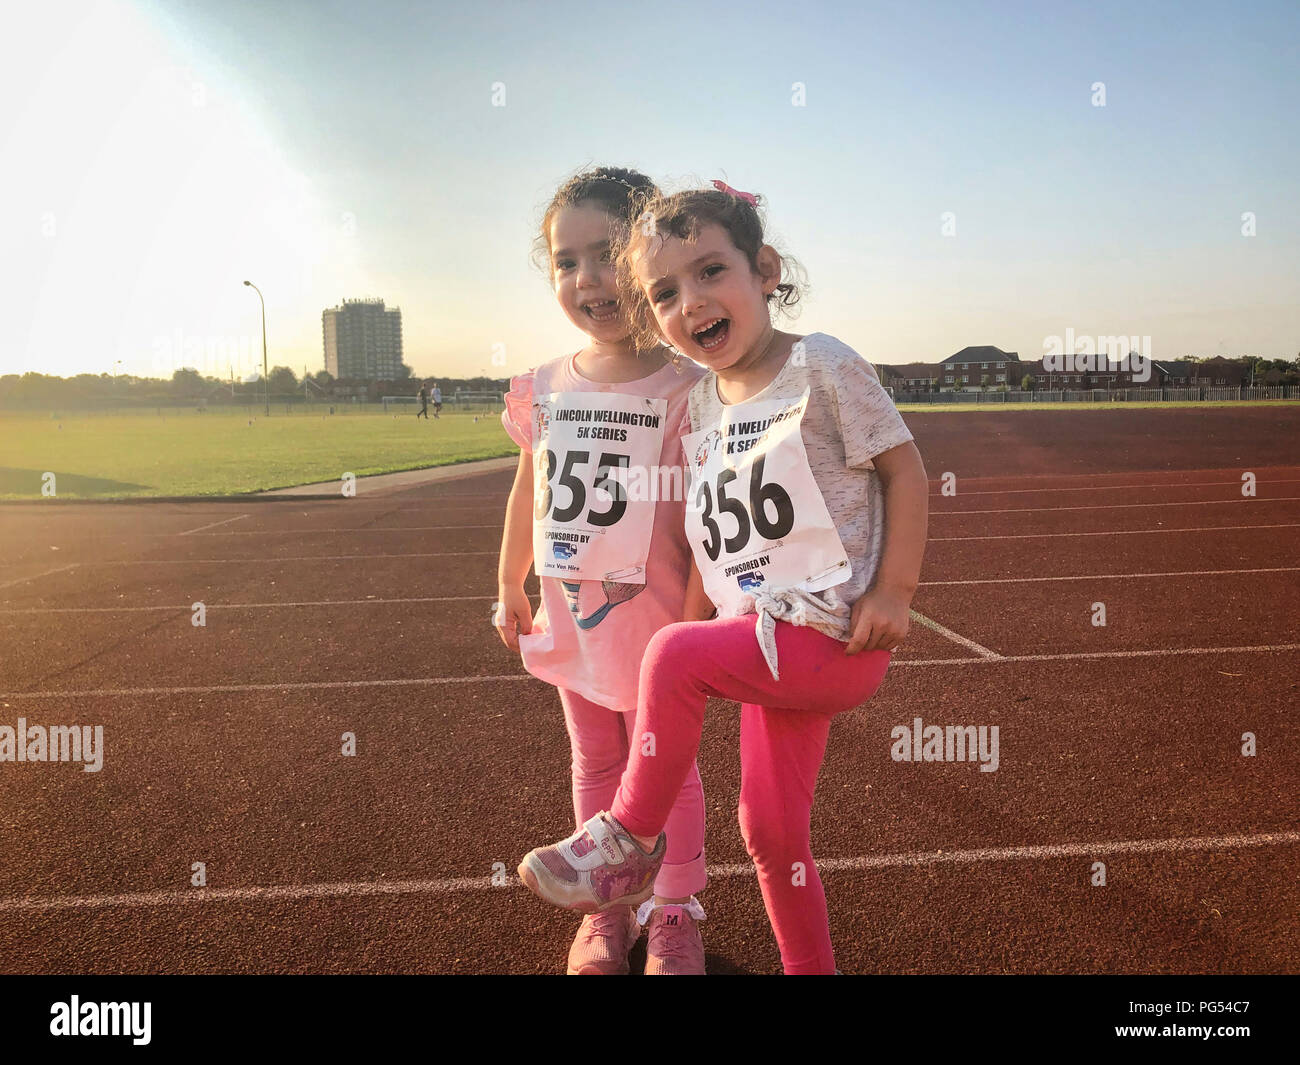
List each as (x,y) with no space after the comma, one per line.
(586,526)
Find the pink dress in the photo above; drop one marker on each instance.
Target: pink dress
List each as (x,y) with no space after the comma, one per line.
(589,636)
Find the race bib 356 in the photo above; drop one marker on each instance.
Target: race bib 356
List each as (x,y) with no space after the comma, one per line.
(754,514)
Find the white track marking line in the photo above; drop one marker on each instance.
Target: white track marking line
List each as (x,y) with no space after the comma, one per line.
(933,513)
(250,894)
(1110,576)
(322,512)
(1115,532)
(913,859)
(323,685)
(359,502)
(1037,852)
(38,576)
(306,685)
(1160,652)
(1107,487)
(318,532)
(470,554)
(970,645)
(480,598)
(1115,506)
(239,606)
(213,525)
(290,558)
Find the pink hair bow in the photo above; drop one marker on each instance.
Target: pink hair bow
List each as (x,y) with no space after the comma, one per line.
(748,197)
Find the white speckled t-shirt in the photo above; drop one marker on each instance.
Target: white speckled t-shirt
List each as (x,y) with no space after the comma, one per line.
(849,420)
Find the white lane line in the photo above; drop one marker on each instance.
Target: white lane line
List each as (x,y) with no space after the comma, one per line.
(1111,576)
(1111,487)
(970,645)
(402,503)
(481,598)
(1159,652)
(417,503)
(288,558)
(1115,532)
(1113,506)
(239,606)
(1037,852)
(250,894)
(213,525)
(940,513)
(38,576)
(933,513)
(322,685)
(307,685)
(472,554)
(913,859)
(318,532)
(395,502)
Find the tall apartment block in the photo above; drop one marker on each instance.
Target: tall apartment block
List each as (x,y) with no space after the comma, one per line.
(363,340)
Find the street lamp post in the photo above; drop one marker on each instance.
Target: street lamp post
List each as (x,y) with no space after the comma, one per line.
(266,388)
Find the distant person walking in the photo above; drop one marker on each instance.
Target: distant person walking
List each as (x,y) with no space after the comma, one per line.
(424,404)
(437,400)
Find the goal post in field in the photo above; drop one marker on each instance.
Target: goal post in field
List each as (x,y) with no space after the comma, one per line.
(487,401)
(399,403)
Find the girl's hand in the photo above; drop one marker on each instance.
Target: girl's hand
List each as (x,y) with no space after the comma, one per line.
(514,615)
(880,621)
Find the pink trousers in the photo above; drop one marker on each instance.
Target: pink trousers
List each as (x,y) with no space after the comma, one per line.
(600,739)
(783,730)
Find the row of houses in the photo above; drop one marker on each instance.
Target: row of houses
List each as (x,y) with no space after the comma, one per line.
(977,369)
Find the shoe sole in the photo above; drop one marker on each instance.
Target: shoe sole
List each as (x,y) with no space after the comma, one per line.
(536,877)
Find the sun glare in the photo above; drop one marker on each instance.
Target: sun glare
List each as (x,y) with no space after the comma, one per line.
(143,202)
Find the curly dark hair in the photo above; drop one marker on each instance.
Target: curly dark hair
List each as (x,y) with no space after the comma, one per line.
(683,215)
(620,192)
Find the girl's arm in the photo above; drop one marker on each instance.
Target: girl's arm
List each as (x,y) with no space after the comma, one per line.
(880,619)
(515,614)
(698,606)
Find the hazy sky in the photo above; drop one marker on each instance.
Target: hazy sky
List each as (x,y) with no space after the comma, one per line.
(156,154)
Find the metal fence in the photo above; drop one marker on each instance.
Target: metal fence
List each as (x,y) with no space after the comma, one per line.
(1101,395)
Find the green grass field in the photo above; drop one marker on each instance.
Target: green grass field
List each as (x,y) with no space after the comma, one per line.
(182,452)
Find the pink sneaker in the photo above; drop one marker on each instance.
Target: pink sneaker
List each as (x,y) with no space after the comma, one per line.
(674,946)
(603,943)
(600,866)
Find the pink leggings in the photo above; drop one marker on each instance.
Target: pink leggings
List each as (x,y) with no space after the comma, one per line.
(783,730)
(599,738)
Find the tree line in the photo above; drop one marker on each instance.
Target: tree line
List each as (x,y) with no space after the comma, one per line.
(188,386)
